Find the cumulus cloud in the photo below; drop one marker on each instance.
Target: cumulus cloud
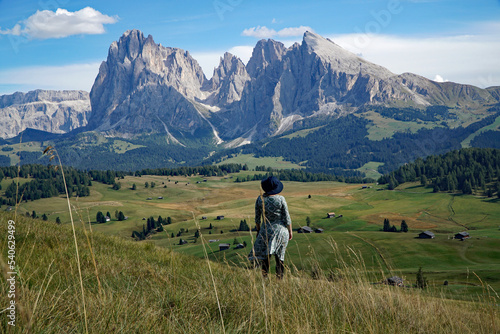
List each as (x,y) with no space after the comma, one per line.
(73,76)
(61,23)
(265,32)
(439,78)
(468,59)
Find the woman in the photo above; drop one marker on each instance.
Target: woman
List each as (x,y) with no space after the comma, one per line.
(276,229)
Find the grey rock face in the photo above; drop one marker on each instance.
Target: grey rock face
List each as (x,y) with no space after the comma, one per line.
(228,81)
(51,111)
(145,87)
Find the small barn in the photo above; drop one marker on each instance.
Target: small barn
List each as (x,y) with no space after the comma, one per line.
(204,217)
(319,230)
(224,246)
(213,240)
(330,215)
(239,246)
(426,235)
(160,197)
(305,229)
(462,235)
(220,217)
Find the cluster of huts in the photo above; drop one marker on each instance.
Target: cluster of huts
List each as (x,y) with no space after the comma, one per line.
(429,235)
(228,246)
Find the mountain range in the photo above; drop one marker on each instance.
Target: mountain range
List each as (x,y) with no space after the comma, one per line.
(144,88)
(50,111)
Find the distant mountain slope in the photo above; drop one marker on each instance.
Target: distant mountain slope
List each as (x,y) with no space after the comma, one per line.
(51,111)
(144,87)
(469,170)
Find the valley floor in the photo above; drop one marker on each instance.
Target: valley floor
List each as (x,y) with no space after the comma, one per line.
(464,265)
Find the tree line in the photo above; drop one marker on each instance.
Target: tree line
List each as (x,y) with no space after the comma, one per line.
(303,176)
(152,226)
(466,170)
(46,182)
(342,145)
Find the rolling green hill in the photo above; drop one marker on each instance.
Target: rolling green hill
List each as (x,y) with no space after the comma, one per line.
(187,199)
(127,286)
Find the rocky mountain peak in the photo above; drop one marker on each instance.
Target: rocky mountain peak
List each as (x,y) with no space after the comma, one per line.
(265,53)
(228,80)
(340,59)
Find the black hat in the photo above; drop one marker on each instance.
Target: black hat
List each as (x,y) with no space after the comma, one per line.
(272,185)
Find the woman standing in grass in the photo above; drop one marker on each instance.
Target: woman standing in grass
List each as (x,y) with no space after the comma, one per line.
(275,231)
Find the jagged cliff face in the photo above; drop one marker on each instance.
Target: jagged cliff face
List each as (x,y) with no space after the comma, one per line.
(145,87)
(51,111)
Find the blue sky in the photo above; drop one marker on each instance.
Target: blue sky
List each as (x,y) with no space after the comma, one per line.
(59,44)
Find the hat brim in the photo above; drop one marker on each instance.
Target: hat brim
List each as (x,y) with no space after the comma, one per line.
(276,190)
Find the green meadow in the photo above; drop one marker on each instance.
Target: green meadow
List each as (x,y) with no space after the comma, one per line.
(354,236)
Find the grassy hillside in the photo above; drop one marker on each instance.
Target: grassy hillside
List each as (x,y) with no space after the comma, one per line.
(139,287)
(363,210)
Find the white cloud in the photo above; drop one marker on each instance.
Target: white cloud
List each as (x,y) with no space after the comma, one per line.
(61,23)
(468,59)
(67,77)
(259,32)
(265,32)
(439,78)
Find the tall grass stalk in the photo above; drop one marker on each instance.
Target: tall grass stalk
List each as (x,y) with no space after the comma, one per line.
(52,152)
(211,273)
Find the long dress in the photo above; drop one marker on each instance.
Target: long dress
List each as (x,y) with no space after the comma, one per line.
(273,235)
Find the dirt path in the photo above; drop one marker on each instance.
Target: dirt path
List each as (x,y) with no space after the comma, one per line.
(452,213)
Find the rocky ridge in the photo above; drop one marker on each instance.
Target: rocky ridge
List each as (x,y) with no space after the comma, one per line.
(46,110)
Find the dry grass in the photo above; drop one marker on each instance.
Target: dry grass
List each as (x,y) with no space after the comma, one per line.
(153,290)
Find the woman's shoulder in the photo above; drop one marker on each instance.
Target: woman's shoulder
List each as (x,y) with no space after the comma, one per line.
(278,198)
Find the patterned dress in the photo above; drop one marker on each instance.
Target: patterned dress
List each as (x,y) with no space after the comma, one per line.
(273,235)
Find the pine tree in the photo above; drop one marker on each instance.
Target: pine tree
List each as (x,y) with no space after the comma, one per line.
(44,217)
(172,235)
(99,218)
(169,220)
(308,221)
(33,214)
(243,226)
(121,216)
(404,226)
(58,220)
(146,185)
(387,225)
(467,189)
(134,187)
(421,280)
(197,234)
(423,180)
